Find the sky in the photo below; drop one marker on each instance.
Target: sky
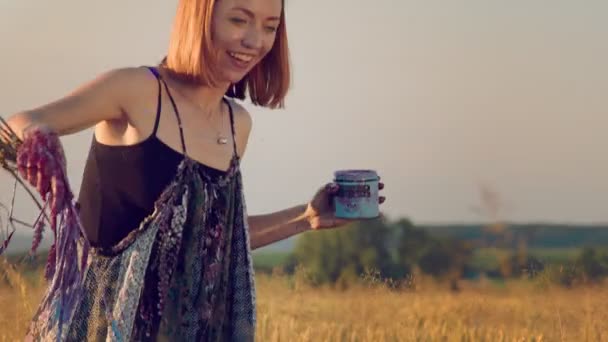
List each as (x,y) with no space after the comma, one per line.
(441,98)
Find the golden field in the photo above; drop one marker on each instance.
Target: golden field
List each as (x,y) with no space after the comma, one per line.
(289,310)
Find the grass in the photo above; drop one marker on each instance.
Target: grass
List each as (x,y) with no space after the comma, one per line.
(267,261)
(289,310)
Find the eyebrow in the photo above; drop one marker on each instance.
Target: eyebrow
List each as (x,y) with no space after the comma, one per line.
(251,14)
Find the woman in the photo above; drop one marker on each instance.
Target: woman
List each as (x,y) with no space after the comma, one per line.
(161,201)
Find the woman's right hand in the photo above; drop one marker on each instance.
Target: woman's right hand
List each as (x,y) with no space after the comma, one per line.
(41,161)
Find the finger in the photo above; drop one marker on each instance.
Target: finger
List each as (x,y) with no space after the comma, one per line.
(380,186)
(22,164)
(32,173)
(32,166)
(381,199)
(44,174)
(23,159)
(58,195)
(43,183)
(332,188)
(333,222)
(23,156)
(335,188)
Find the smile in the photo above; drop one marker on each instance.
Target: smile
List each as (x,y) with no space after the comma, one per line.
(241,57)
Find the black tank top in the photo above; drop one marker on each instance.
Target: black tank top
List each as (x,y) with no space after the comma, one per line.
(121,183)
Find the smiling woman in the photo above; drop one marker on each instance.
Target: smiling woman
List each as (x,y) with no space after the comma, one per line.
(158,244)
(248,47)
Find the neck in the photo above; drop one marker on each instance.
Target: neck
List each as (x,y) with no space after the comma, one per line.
(208,99)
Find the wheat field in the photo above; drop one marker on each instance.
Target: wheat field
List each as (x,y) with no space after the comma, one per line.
(289,310)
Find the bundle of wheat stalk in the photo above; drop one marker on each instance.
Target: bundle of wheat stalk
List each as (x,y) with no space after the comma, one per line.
(9,145)
(9,151)
(38,164)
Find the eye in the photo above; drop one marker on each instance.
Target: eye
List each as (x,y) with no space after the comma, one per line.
(238,21)
(271,29)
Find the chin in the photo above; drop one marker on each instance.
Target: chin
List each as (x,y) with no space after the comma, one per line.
(234,78)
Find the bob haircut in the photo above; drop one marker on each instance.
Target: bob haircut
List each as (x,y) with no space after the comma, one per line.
(191,57)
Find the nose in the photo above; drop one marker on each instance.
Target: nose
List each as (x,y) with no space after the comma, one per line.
(252,39)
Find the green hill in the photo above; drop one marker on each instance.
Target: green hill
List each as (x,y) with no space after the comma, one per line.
(536,235)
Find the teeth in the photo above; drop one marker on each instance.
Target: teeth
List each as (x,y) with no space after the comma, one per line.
(241,57)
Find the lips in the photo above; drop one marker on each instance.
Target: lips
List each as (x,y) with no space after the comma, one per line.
(241,61)
(241,57)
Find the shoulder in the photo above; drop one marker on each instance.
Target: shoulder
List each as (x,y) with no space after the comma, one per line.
(242,118)
(130,79)
(133,92)
(125,76)
(123,85)
(242,125)
(136,90)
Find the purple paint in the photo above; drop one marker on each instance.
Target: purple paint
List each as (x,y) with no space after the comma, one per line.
(357,196)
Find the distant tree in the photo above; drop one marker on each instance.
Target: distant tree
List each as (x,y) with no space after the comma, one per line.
(447,260)
(593,264)
(411,244)
(348,252)
(388,250)
(512,265)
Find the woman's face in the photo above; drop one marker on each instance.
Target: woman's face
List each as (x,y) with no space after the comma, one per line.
(243,33)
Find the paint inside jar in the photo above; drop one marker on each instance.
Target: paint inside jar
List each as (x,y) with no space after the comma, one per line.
(357,196)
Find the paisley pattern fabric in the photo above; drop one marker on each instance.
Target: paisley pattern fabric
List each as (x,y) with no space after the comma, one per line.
(185,274)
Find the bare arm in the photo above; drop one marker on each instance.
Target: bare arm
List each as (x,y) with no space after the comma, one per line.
(273,227)
(270,228)
(98,100)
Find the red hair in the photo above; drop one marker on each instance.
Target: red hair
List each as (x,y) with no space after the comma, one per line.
(191,57)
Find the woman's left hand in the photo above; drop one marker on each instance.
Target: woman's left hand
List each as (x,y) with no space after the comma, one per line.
(320,210)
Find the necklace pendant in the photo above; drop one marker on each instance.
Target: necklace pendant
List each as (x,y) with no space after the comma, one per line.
(222,141)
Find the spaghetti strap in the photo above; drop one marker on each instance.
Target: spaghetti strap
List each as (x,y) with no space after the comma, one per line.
(179,120)
(232,126)
(176,111)
(158,104)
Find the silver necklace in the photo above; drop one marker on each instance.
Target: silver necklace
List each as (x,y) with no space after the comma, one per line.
(221,139)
